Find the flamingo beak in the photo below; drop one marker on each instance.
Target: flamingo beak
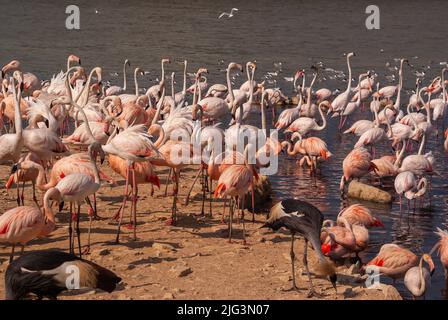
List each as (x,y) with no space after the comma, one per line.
(61,206)
(378,223)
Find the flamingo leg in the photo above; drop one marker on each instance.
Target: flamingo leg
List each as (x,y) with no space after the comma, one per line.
(18,193)
(242,218)
(22,197)
(34,194)
(117,215)
(231,208)
(134,200)
(123,206)
(78,231)
(91,214)
(173,219)
(167,180)
(22,249)
(224,211)
(210,195)
(70,229)
(203,180)
(187,200)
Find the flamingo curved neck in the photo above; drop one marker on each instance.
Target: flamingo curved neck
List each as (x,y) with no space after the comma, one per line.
(124,77)
(136,82)
(95,167)
(422,145)
(229,86)
(83,96)
(308,98)
(159,104)
(184,88)
(324,119)
(17,112)
(155,128)
(349,84)
(54,194)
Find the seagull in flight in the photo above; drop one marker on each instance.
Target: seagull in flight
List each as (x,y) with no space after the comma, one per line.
(227,14)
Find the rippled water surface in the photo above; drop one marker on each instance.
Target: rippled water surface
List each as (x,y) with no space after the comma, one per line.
(295,33)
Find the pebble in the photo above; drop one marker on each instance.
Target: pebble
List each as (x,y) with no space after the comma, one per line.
(163,246)
(181,271)
(168,295)
(104,252)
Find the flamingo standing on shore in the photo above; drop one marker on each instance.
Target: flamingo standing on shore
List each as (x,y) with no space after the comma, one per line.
(11,143)
(22,224)
(236,181)
(76,188)
(26,169)
(394,261)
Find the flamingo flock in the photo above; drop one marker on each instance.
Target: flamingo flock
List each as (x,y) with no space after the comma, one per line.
(54,131)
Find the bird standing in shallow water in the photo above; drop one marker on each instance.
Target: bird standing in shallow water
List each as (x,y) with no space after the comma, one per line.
(44,273)
(306,220)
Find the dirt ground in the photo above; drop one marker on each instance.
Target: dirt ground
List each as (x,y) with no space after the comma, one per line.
(192,260)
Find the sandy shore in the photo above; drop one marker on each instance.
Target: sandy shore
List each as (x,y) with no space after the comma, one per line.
(192,260)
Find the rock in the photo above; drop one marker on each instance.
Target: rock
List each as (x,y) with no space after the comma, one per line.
(353,269)
(104,252)
(131,266)
(365,192)
(163,246)
(390,292)
(262,239)
(167,296)
(181,271)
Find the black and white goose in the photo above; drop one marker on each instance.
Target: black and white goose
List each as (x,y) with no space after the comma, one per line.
(47,273)
(302,218)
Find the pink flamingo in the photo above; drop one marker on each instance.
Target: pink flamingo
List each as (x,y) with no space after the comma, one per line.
(394,261)
(359,214)
(76,188)
(445,144)
(442,247)
(312,148)
(340,102)
(23,224)
(12,143)
(30,81)
(116,90)
(27,169)
(356,165)
(174,155)
(406,184)
(235,181)
(338,241)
